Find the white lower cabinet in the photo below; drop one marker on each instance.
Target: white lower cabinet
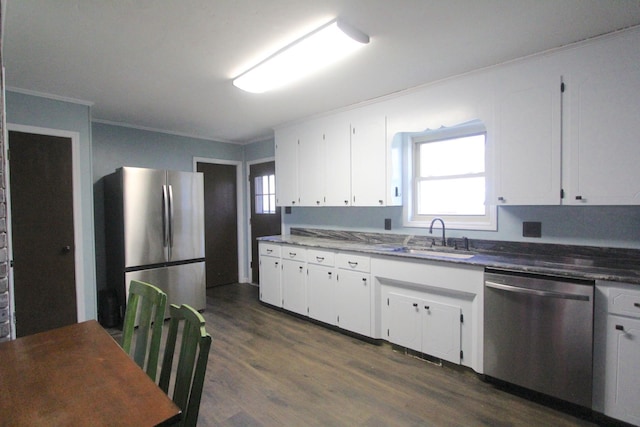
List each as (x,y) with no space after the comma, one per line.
(321,284)
(428,306)
(352,302)
(353,293)
(616,383)
(294,283)
(424,325)
(270,272)
(431,307)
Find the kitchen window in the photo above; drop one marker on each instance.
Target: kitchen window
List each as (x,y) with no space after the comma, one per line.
(448,178)
(265,194)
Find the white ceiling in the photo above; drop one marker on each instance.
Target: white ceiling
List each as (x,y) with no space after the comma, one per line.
(168,64)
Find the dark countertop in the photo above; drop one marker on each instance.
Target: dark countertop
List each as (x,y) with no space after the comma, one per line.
(592,263)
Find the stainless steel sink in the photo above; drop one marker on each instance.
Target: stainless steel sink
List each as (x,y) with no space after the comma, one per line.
(438,253)
(433,251)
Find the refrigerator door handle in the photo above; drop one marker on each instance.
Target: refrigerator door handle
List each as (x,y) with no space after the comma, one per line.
(165,216)
(170,215)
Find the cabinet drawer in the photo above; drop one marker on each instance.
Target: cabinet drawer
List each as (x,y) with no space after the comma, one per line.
(320,257)
(270,249)
(296,253)
(625,302)
(353,262)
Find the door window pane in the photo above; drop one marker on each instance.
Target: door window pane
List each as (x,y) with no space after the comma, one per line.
(265,194)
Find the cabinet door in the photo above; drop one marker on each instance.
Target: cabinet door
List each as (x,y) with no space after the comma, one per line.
(602,132)
(441,330)
(527,136)
(405,321)
(338,162)
(294,293)
(353,302)
(622,377)
(286,153)
(321,293)
(311,161)
(368,159)
(270,270)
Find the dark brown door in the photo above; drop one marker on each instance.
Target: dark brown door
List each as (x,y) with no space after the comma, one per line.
(265,216)
(41,180)
(221,223)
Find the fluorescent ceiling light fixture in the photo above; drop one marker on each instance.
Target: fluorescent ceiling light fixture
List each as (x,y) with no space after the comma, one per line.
(316,50)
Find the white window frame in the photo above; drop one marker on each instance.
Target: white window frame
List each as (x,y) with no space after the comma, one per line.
(411,218)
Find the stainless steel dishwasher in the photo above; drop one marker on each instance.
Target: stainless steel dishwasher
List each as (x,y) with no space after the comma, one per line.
(538,333)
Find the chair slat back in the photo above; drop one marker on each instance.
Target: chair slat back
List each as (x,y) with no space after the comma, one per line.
(192,361)
(146,305)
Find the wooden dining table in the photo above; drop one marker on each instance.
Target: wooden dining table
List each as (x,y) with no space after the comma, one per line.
(77,375)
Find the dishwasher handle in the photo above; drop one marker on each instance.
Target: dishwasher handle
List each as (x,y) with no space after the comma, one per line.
(537,292)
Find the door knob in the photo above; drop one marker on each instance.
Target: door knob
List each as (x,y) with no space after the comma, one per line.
(66,249)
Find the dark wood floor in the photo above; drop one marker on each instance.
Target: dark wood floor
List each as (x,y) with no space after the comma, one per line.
(268,368)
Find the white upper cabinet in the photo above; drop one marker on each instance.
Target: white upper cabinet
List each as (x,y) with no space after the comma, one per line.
(576,147)
(528,134)
(311,165)
(339,160)
(601,133)
(314,159)
(286,153)
(368,157)
(543,146)
(337,141)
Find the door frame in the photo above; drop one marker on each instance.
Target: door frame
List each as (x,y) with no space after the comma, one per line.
(77,214)
(242,259)
(248,201)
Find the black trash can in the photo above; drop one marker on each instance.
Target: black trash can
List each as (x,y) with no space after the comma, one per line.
(108,313)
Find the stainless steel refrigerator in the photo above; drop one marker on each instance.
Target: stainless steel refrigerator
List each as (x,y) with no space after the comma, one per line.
(154,232)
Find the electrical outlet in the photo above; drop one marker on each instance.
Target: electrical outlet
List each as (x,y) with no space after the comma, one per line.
(531,229)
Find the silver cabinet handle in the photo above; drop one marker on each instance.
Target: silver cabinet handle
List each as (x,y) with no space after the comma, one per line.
(352,264)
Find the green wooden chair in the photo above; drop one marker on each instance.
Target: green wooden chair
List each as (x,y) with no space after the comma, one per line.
(192,361)
(145,308)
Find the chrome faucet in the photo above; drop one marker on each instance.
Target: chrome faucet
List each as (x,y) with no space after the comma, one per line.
(444,240)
